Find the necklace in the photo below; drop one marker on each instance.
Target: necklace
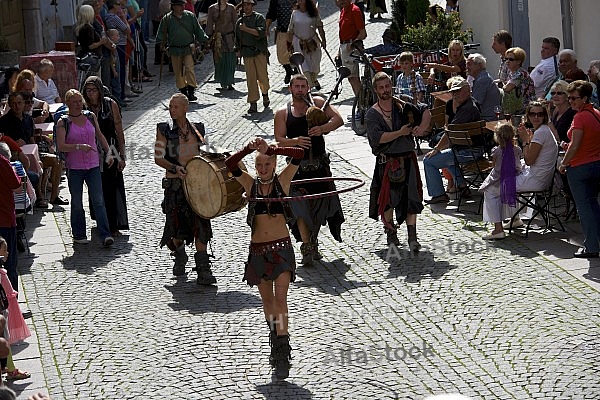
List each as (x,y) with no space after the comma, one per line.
(74,116)
(389,112)
(267,182)
(184,134)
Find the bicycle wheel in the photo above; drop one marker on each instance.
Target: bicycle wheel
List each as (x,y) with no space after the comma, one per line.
(360,106)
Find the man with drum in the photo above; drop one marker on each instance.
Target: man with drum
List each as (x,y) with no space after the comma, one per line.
(294,128)
(396,186)
(178,142)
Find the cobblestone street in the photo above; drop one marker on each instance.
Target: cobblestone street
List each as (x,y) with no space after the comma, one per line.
(504,320)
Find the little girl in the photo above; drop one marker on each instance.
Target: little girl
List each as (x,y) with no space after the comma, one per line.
(15,329)
(507,165)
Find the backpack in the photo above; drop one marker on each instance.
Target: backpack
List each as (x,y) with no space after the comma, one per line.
(67,123)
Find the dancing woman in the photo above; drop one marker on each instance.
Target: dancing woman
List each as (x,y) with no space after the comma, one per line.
(271,264)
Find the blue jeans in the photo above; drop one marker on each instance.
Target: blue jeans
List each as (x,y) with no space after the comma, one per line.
(445,159)
(584,181)
(93,181)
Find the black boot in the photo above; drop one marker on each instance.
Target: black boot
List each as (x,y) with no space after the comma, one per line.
(306,249)
(190,93)
(315,245)
(288,73)
(205,276)
(181,259)
(392,237)
(413,243)
(282,354)
(272,337)
(184,91)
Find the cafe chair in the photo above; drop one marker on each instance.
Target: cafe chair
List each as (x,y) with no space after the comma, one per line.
(22,207)
(539,202)
(475,167)
(436,130)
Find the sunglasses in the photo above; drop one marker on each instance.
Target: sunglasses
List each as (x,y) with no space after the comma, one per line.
(510,59)
(572,98)
(557,93)
(540,114)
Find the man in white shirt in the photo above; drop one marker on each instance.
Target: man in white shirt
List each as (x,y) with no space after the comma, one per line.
(547,69)
(45,88)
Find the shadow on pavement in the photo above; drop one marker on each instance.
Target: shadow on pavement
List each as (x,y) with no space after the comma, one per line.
(283,390)
(328,277)
(189,296)
(87,258)
(414,267)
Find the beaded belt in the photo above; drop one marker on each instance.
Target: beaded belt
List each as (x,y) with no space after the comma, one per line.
(260,249)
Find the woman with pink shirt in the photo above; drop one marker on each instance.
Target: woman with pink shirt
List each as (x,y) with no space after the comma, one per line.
(77,136)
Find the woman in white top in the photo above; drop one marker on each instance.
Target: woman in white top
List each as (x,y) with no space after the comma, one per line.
(539,156)
(305,22)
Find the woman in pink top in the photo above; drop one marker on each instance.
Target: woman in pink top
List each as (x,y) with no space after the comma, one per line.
(582,165)
(77,136)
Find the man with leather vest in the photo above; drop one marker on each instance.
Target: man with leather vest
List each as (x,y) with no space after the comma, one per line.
(281,11)
(177,142)
(178,32)
(292,130)
(396,186)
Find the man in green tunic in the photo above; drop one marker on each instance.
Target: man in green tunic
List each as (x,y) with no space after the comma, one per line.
(178,32)
(252,45)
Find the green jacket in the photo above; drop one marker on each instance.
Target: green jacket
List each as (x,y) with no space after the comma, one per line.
(249,45)
(176,34)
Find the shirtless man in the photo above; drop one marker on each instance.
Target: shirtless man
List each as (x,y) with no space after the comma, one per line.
(177,142)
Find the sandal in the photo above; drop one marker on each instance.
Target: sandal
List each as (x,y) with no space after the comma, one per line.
(17,374)
(41,203)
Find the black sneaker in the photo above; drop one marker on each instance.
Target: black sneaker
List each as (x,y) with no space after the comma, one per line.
(59,201)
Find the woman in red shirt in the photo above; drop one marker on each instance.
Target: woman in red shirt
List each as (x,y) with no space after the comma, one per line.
(582,165)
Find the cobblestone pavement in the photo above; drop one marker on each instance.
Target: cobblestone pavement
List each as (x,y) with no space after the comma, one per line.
(499,321)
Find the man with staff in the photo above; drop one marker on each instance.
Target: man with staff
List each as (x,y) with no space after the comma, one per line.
(178,142)
(296,125)
(396,186)
(178,32)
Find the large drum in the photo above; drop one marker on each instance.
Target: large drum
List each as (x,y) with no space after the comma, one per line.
(209,188)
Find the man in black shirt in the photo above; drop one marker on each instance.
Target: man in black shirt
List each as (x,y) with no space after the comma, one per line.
(461,109)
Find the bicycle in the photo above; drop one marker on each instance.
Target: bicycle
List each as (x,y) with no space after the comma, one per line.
(87,66)
(366,96)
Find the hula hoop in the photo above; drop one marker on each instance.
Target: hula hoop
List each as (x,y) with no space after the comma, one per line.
(359,183)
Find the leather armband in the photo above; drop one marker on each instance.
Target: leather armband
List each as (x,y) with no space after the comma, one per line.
(232,161)
(294,152)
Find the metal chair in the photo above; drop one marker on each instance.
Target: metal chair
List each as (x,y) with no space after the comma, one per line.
(472,164)
(539,201)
